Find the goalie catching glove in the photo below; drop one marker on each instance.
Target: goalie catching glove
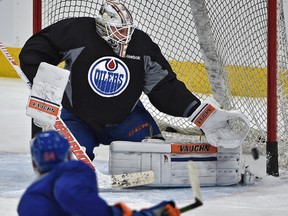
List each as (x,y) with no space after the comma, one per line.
(162,209)
(222,128)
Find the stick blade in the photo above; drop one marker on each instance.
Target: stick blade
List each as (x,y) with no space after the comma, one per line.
(132,179)
(194,205)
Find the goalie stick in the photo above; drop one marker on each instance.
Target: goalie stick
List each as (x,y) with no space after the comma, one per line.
(114,181)
(194,180)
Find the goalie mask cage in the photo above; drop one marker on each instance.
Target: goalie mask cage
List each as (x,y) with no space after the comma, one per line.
(220,48)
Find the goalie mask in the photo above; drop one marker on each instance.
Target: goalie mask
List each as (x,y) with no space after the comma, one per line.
(115,25)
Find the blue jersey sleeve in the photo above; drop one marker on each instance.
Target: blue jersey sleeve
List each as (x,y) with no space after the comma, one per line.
(77,193)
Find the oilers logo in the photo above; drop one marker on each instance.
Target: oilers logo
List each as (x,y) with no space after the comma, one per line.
(108,76)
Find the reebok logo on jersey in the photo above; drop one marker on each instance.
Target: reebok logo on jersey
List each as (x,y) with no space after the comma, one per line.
(108,76)
(133,57)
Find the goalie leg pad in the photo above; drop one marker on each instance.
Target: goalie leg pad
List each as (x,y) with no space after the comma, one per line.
(216,167)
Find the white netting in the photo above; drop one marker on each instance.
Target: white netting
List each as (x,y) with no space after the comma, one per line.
(239,34)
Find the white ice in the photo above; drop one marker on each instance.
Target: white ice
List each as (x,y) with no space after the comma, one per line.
(268,196)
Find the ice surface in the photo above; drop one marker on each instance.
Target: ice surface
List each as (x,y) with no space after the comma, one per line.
(269,196)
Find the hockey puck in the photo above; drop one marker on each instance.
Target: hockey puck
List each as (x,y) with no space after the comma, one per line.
(255,153)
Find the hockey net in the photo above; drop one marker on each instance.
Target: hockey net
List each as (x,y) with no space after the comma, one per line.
(232,66)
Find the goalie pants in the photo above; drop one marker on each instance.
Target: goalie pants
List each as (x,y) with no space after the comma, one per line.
(136,127)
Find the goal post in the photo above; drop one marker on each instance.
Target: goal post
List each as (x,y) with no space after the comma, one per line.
(235,51)
(37,15)
(271,143)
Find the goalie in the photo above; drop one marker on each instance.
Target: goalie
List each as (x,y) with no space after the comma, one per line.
(111,63)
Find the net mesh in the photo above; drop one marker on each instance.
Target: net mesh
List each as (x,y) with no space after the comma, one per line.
(239,33)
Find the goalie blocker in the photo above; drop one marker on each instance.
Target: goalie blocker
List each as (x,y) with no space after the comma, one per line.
(44,102)
(216,166)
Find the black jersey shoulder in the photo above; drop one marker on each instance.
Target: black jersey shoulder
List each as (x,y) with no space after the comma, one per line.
(141,43)
(72,33)
(77,27)
(75,22)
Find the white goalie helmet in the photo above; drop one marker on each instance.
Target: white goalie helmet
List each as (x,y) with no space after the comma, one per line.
(115,24)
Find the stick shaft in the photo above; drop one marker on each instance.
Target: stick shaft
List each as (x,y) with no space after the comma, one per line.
(194,181)
(59,124)
(14,64)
